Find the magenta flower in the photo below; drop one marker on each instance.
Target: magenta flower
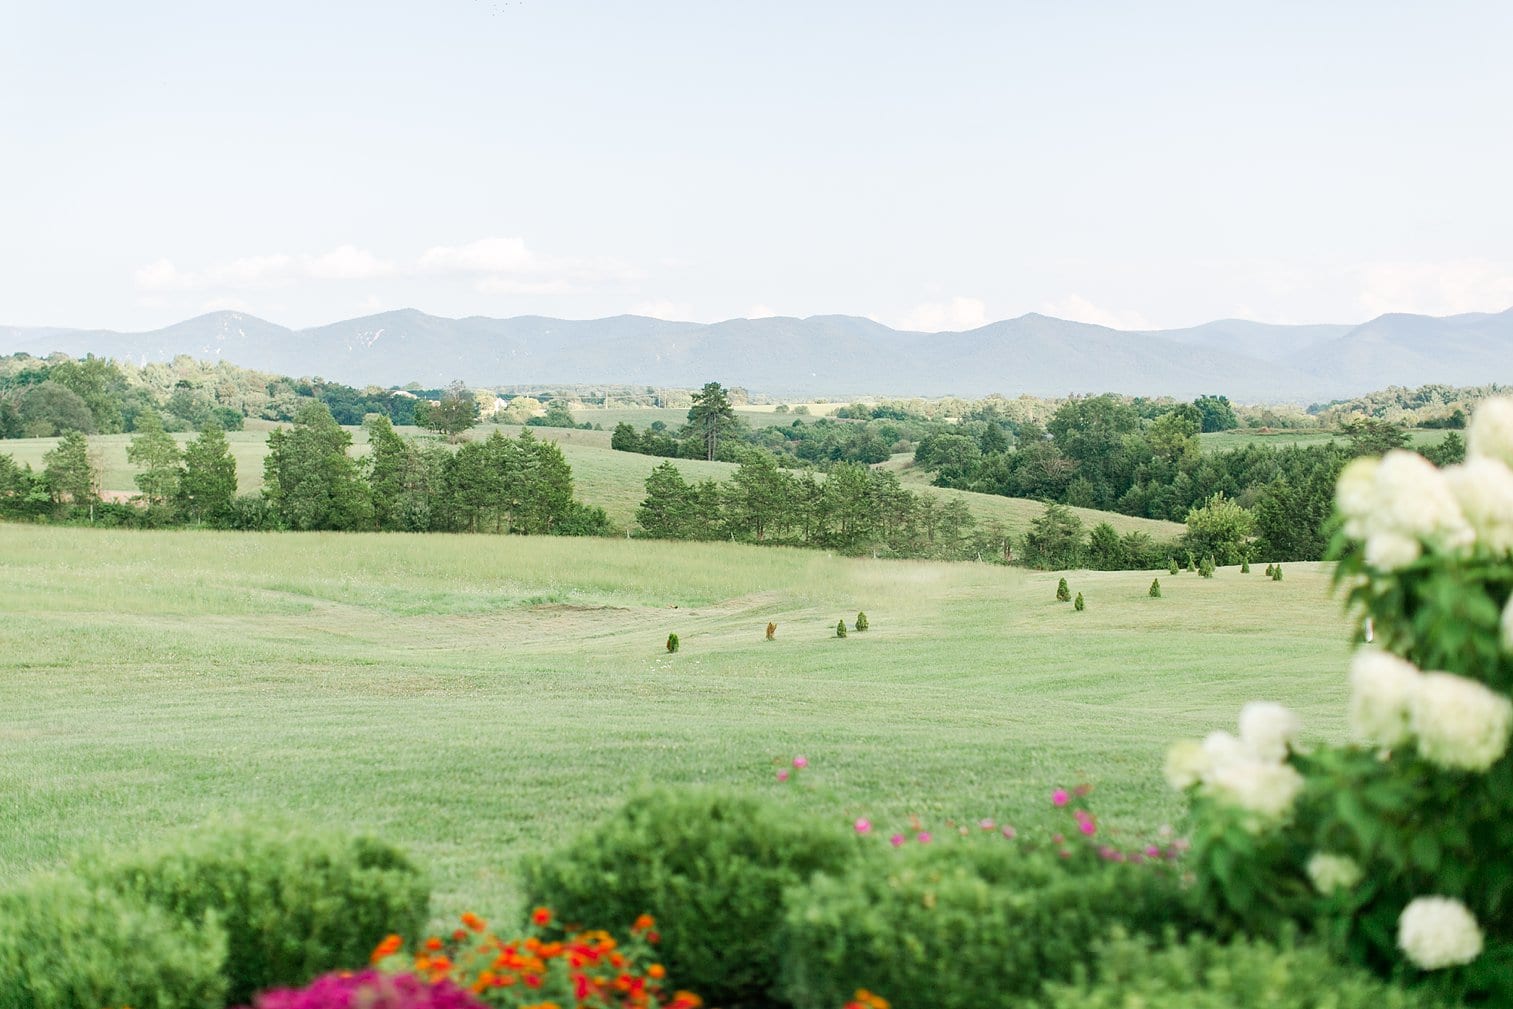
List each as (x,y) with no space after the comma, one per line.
(1151,851)
(372,990)
(924,837)
(1009,832)
(1088,827)
(801,762)
(863,825)
(1059,797)
(986,824)
(783,774)
(897,840)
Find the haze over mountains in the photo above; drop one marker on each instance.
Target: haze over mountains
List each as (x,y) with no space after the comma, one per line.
(836,355)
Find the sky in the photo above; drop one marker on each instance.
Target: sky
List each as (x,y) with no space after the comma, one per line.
(930,165)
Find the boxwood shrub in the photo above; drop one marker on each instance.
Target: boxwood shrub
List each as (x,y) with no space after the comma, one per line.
(710,866)
(293,904)
(67,945)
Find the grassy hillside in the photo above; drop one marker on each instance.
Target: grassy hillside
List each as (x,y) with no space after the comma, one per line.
(1223,441)
(476,697)
(615,481)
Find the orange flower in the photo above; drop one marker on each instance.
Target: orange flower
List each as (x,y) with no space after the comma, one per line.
(387,948)
(643,923)
(433,944)
(541,916)
(685,1000)
(657,971)
(473,922)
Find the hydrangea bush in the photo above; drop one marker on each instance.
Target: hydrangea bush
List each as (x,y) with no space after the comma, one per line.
(1398,846)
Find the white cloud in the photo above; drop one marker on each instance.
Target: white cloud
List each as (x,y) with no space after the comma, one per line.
(1436,288)
(226,305)
(162,275)
(1076,308)
(946,316)
(662,308)
(348,262)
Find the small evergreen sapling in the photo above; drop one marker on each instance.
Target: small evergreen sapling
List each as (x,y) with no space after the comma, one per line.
(1155,588)
(1276,573)
(1079,605)
(1206,569)
(1192,564)
(1063,592)
(861,622)
(1270,569)
(840,628)
(772,630)
(1171,565)
(672,642)
(1245,567)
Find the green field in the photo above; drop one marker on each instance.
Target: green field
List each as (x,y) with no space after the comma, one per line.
(1223,441)
(476,697)
(615,481)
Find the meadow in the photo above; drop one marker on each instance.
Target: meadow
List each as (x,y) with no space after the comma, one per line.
(473,698)
(1224,441)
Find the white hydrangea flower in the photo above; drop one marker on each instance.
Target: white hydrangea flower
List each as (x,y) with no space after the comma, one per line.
(1381,697)
(1484,489)
(1257,786)
(1416,502)
(1187,763)
(1438,932)
(1490,435)
(1223,748)
(1333,872)
(1269,729)
(1355,496)
(1460,723)
(1391,551)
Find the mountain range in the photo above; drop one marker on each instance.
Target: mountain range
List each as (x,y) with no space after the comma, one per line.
(836,355)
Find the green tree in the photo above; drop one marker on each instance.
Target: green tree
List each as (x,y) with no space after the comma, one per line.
(666,513)
(207,486)
(1373,436)
(49,409)
(558,414)
(155,451)
(1155,590)
(1054,540)
(1105,550)
(99,383)
(544,494)
(1450,451)
(625,438)
(309,480)
(1220,528)
(1078,604)
(406,479)
(710,414)
(1063,592)
(759,497)
(69,474)
(1217,413)
(454,413)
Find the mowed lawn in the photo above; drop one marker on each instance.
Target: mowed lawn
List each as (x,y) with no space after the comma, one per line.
(472,698)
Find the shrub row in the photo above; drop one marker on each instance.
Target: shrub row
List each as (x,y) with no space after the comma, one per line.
(207,920)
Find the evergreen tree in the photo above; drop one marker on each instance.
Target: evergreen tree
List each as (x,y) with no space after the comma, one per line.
(666,513)
(155,451)
(1245,566)
(69,475)
(1078,604)
(456,411)
(861,621)
(207,486)
(1206,569)
(710,414)
(1270,570)
(1276,573)
(1155,592)
(309,480)
(840,629)
(1063,592)
(672,642)
(1171,565)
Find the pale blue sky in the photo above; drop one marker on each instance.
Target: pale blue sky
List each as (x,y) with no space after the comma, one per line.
(927,164)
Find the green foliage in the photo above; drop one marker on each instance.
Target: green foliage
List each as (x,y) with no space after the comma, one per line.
(962,925)
(1220,528)
(292,904)
(1054,541)
(308,478)
(709,865)
(1217,414)
(1155,590)
(1063,592)
(840,628)
(1245,567)
(1171,565)
(51,409)
(1078,604)
(454,413)
(155,451)
(1192,565)
(672,642)
(861,621)
(1270,570)
(1373,436)
(1202,973)
(1276,573)
(67,945)
(710,415)
(70,476)
(1206,569)
(207,485)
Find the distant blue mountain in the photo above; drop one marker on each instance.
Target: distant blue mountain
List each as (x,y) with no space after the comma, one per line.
(836,355)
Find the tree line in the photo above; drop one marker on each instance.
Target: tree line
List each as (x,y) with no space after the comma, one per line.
(310,482)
